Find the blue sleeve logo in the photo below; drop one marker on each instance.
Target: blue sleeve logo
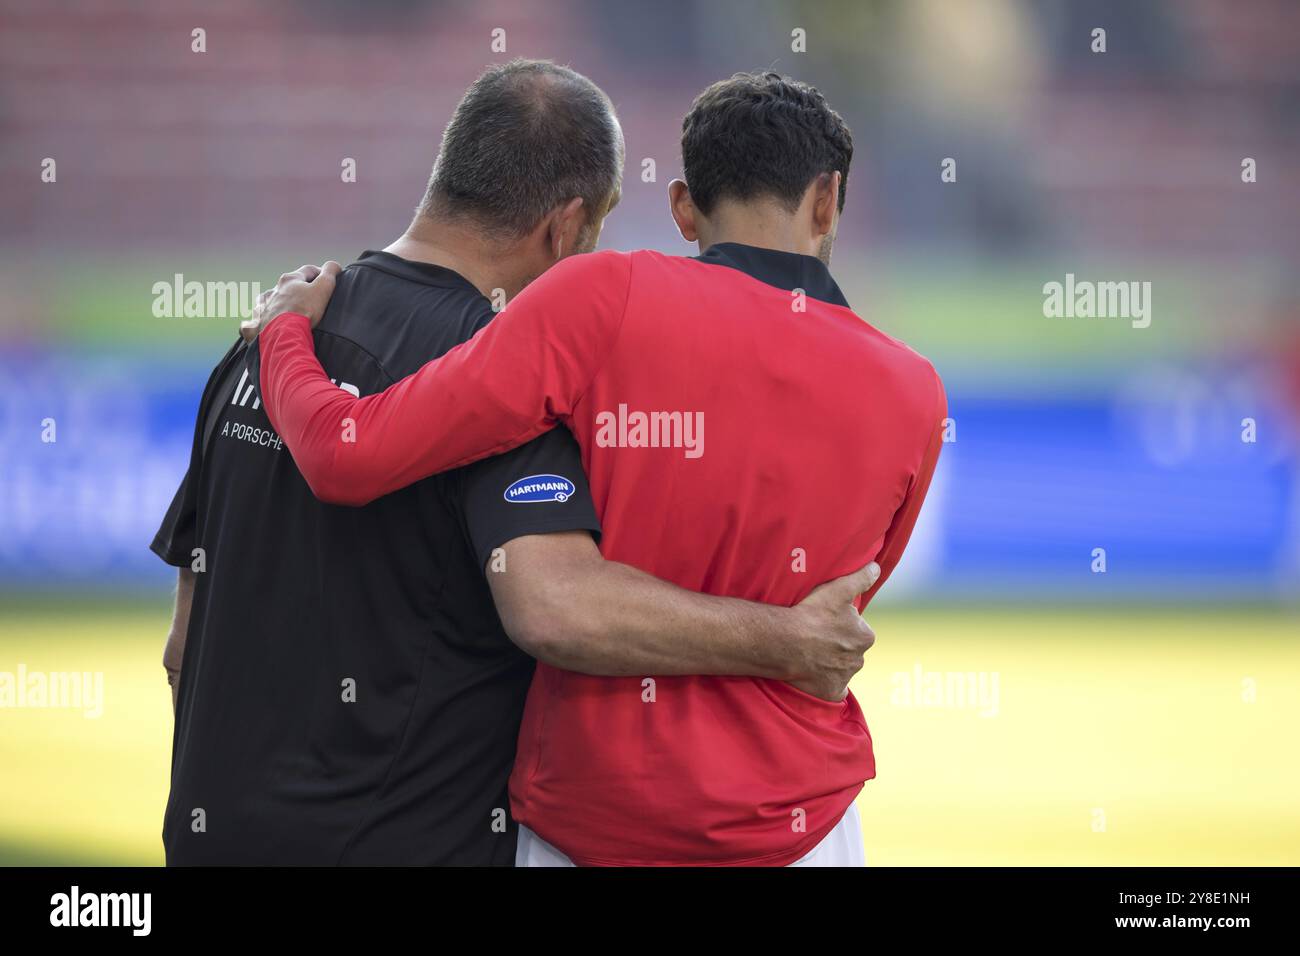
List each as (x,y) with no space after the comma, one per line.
(540,488)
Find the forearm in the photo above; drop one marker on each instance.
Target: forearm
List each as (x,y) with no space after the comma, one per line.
(513,380)
(342,460)
(633,624)
(466,405)
(606,618)
(174,649)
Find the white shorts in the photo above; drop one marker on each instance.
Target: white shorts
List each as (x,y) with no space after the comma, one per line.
(841,847)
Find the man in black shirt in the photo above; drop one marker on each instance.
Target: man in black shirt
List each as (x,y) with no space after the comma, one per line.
(347,692)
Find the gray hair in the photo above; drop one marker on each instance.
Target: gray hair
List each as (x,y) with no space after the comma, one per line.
(528,136)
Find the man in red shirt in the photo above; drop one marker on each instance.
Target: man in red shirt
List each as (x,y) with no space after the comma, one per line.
(745,434)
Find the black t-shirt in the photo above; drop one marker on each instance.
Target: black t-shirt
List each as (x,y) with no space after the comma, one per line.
(348,694)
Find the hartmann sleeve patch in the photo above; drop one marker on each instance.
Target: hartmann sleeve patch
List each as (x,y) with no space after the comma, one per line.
(536,488)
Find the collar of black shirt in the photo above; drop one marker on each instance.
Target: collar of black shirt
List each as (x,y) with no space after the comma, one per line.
(784,270)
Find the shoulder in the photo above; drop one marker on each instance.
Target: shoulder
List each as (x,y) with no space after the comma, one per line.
(910,371)
(236,357)
(591,268)
(388,328)
(923,380)
(610,268)
(925,384)
(585,290)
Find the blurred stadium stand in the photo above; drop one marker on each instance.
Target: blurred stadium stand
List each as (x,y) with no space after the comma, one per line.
(225,165)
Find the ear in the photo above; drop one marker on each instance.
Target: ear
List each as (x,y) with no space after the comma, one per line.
(565,228)
(826,200)
(683,210)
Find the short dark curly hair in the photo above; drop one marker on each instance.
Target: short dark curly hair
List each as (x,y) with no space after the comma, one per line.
(762,134)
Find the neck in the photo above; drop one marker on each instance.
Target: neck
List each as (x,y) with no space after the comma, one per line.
(758,225)
(462,248)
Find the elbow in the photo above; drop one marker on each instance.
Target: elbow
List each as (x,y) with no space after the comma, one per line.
(173,657)
(536,636)
(335,486)
(544,632)
(339,494)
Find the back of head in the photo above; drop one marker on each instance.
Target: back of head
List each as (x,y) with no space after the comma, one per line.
(762,136)
(528,136)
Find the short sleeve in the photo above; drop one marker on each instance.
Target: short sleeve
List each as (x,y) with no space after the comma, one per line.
(537,488)
(176,538)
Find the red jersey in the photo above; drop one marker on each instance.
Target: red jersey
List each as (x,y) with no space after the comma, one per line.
(745,434)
